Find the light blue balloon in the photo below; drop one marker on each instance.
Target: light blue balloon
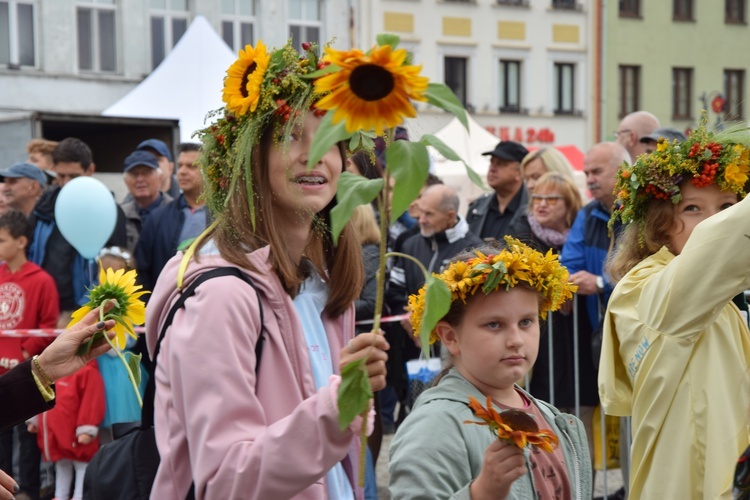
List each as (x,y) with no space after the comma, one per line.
(86,214)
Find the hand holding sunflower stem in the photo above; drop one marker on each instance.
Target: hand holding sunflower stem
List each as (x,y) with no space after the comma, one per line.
(117,288)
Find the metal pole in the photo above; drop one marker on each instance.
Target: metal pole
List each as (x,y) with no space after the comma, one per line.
(551,360)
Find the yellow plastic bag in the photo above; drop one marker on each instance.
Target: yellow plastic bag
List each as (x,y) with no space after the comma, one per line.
(612,426)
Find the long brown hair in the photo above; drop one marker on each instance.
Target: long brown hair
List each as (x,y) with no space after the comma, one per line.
(235,236)
(641,239)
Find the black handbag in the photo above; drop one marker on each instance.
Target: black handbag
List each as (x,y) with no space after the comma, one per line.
(125,468)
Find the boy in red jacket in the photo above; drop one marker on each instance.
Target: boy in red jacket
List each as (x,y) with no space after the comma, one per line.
(28,299)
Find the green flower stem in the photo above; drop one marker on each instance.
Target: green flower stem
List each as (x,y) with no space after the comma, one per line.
(411,258)
(124,361)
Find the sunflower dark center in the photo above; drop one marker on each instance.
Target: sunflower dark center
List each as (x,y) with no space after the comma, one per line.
(246,77)
(519,421)
(371,82)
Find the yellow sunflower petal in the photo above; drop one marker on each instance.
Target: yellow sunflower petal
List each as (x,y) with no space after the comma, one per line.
(78,315)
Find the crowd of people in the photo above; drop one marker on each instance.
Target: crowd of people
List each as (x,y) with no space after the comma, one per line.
(660,333)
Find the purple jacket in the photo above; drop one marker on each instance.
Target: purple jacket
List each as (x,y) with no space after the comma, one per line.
(236,437)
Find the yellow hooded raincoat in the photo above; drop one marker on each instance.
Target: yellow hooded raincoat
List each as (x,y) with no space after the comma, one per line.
(676,356)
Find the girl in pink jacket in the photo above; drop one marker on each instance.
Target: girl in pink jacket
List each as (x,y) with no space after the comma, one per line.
(228,423)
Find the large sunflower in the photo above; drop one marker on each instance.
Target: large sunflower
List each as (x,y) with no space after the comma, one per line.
(244,78)
(129,311)
(371,91)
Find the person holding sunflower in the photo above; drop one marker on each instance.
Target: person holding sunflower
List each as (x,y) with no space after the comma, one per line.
(492,334)
(234,423)
(676,349)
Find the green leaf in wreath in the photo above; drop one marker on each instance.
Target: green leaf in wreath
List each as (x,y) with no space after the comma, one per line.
(437,303)
(387,39)
(409,164)
(440,95)
(449,154)
(354,392)
(331,68)
(326,136)
(351,191)
(134,365)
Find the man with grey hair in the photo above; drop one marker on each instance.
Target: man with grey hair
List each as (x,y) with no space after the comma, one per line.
(632,128)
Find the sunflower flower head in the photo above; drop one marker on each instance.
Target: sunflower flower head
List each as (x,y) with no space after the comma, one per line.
(129,309)
(371,91)
(516,427)
(516,264)
(705,158)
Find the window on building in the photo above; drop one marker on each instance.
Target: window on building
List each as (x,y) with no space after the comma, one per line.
(169,21)
(304,21)
(510,86)
(682,10)
(630,8)
(455,75)
(566,4)
(735,11)
(734,85)
(17,33)
(96,36)
(682,92)
(630,84)
(238,23)
(564,88)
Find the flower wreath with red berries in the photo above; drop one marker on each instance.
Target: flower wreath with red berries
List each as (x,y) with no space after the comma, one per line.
(261,89)
(705,158)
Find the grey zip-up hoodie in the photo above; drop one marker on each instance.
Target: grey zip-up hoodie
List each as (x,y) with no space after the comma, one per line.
(436,455)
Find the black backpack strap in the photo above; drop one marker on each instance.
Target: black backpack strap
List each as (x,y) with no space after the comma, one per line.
(147,413)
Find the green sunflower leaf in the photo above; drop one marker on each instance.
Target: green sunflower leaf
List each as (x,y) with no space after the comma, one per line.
(387,39)
(352,190)
(449,154)
(85,348)
(326,136)
(409,164)
(331,68)
(354,392)
(134,365)
(436,305)
(442,96)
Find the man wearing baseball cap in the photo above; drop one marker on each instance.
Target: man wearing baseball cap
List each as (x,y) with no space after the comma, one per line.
(143,177)
(490,215)
(24,184)
(668,133)
(164,157)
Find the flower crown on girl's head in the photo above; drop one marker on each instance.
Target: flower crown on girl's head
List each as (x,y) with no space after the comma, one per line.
(706,158)
(518,263)
(260,89)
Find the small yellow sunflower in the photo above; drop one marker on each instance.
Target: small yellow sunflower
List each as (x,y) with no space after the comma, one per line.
(244,78)
(371,91)
(130,309)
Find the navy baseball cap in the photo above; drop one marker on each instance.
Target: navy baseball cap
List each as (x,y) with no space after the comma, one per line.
(155,144)
(140,158)
(668,133)
(508,150)
(24,170)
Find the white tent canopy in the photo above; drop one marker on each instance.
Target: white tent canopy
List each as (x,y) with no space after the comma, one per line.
(186,85)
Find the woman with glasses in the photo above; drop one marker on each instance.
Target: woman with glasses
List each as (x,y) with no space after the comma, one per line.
(553,206)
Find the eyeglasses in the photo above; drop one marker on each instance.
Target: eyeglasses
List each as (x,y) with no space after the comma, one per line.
(623,131)
(551,199)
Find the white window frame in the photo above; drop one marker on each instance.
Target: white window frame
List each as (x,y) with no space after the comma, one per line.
(169,15)
(470,53)
(306,23)
(578,59)
(237,21)
(13,28)
(95,6)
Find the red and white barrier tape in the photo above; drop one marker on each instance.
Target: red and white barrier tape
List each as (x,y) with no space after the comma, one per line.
(54,332)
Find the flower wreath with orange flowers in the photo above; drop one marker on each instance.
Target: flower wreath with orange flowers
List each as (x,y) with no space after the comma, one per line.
(705,158)
(518,263)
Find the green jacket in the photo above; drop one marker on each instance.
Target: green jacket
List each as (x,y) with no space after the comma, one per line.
(435,454)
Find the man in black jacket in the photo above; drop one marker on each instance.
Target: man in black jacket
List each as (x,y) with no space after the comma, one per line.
(491,215)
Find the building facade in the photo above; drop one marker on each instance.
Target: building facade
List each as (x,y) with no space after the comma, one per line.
(674,58)
(81,56)
(521,67)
